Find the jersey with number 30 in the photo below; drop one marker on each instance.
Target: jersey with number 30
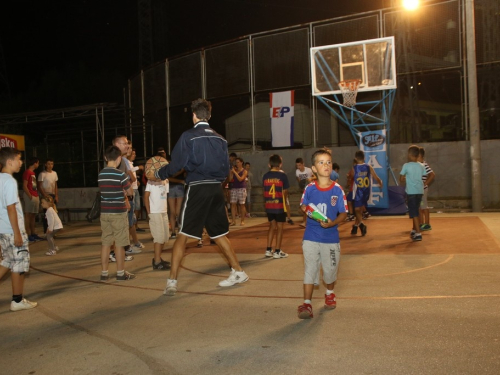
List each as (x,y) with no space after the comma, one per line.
(362,181)
(330,201)
(274,183)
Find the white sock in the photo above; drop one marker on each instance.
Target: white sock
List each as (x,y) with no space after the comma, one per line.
(328,292)
(308,301)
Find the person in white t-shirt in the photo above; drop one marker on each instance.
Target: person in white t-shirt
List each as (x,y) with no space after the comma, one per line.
(54,223)
(155,201)
(304,177)
(47,186)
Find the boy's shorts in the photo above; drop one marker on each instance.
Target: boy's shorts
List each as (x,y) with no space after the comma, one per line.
(176,191)
(17,259)
(158,224)
(423,204)
(279,218)
(31,206)
(204,205)
(114,229)
(361,199)
(238,196)
(414,205)
(325,254)
(137,200)
(349,196)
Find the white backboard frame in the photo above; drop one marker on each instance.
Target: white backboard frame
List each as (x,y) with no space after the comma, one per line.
(384,79)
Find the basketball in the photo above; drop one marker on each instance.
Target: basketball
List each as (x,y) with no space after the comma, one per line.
(153,164)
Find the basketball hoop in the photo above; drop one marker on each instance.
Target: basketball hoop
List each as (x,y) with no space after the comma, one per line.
(349,90)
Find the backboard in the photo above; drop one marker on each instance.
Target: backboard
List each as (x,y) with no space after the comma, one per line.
(372,61)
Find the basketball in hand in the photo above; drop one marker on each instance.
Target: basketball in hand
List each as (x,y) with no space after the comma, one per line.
(153,164)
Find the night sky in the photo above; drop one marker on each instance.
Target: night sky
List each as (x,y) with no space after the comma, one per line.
(57,52)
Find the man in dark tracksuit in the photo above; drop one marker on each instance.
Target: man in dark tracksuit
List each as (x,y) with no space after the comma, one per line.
(203,154)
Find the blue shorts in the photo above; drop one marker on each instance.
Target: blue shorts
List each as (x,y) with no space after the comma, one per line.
(414,204)
(137,200)
(176,191)
(131,214)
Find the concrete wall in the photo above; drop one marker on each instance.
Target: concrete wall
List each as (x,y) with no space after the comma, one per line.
(449,160)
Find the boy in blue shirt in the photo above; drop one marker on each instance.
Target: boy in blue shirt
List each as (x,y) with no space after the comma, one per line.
(13,237)
(362,174)
(321,244)
(411,174)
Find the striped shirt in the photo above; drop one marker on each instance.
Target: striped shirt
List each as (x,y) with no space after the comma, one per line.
(275,183)
(112,183)
(428,170)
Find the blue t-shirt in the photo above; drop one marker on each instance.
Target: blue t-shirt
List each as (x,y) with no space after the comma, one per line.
(330,201)
(414,171)
(9,196)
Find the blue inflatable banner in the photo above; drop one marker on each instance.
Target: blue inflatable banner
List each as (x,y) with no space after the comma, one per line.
(374,145)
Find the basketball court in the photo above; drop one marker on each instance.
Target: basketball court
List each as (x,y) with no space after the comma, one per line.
(403,307)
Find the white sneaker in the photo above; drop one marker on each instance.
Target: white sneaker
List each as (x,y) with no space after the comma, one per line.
(23,305)
(51,252)
(128,258)
(139,245)
(280,254)
(133,250)
(269,253)
(171,288)
(235,277)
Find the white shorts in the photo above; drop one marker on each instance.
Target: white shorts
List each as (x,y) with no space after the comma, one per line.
(325,254)
(158,224)
(17,259)
(238,196)
(423,203)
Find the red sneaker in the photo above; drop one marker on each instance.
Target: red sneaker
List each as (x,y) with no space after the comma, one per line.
(305,311)
(330,302)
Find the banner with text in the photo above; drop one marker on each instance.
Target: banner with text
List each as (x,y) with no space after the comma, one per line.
(282,116)
(11,140)
(374,145)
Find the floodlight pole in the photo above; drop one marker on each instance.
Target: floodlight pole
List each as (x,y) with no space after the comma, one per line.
(474,124)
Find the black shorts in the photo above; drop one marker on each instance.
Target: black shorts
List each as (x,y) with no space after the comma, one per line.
(279,218)
(414,204)
(204,205)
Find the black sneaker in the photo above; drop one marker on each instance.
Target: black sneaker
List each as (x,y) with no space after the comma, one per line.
(173,236)
(366,215)
(363,229)
(290,221)
(354,230)
(417,237)
(162,266)
(125,276)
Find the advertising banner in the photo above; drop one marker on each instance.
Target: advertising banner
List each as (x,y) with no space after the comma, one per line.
(10,140)
(282,115)
(374,145)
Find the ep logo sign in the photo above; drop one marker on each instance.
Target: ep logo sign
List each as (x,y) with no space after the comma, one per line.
(280,111)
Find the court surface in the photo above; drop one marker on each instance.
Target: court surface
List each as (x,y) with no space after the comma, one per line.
(429,307)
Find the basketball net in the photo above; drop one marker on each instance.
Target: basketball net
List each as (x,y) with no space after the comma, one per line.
(349,89)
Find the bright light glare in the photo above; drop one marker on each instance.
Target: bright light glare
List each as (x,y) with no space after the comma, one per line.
(410,4)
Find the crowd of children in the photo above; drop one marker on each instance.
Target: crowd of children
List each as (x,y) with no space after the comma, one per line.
(323,203)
